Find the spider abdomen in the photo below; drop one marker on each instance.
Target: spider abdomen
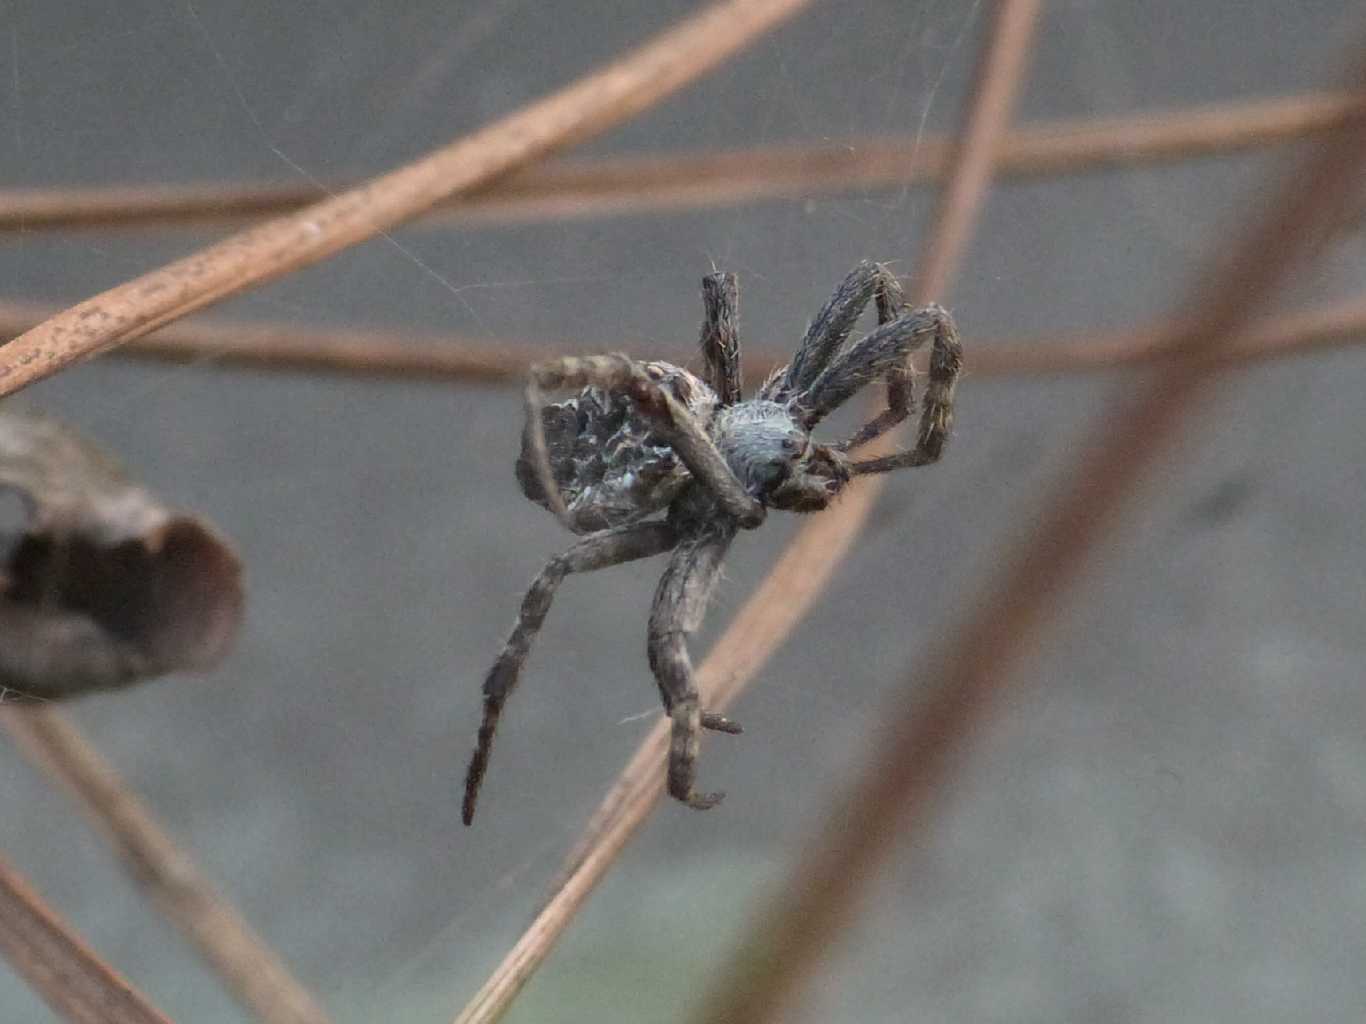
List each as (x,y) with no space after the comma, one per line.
(610,466)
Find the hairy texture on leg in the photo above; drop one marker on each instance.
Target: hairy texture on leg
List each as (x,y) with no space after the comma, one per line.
(872,358)
(671,419)
(720,338)
(891,304)
(830,329)
(597,551)
(680,602)
(936,416)
(889,298)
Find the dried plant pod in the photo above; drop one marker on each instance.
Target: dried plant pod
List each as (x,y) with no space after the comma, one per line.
(101,586)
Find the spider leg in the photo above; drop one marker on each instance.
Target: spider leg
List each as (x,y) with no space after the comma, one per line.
(671,419)
(936,413)
(596,551)
(885,351)
(720,338)
(830,329)
(891,303)
(679,605)
(534,438)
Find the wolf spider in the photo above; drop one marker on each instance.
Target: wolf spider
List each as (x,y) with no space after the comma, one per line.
(645,438)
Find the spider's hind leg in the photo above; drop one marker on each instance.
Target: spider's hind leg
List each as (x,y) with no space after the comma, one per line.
(679,605)
(596,551)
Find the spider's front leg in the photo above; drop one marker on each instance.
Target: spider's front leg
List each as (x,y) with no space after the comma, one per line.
(891,304)
(883,355)
(679,605)
(674,423)
(936,410)
(829,331)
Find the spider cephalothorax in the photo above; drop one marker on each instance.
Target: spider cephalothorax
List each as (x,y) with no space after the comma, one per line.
(649,458)
(775,459)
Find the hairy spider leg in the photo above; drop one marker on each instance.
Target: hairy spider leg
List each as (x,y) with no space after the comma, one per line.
(871,357)
(891,304)
(936,415)
(679,605)
(886,350)
(674,423)
(596,551)
(829,331)
(720,336)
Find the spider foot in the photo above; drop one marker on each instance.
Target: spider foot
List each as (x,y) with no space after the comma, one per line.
(687,720)
(720,723)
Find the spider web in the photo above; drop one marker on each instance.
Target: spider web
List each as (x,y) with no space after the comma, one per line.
(317,774)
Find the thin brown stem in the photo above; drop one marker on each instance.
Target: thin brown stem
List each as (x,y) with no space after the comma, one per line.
(909,761)
(68,975)
(780,601)
(281,346)
(1289,334)
(586,108)
(249,969)
(384,353)
(620,185)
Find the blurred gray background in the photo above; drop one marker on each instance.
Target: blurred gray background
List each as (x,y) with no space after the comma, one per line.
(1164,818)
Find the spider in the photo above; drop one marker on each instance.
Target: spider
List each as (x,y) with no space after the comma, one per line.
(649,458)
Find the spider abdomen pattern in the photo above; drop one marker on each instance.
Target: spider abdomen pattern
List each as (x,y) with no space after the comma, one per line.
(608,461)
(648,458)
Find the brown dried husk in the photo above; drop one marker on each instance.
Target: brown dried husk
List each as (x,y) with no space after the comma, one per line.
(101,586)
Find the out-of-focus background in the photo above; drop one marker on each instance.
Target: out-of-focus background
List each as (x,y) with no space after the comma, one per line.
(1165,818)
